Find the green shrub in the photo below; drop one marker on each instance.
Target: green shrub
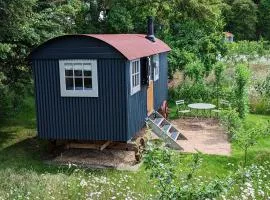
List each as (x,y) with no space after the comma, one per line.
(197,92)
(195,71)
(247,50)
(5,98)
(242,78)
(260,105)
(231,121)
(11,97)
(247,135)
(218,70)
(187,185)
(259,97)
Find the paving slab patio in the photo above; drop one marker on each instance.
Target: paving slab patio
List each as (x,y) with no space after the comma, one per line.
(204,135)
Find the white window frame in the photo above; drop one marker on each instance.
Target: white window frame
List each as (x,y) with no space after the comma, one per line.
(156,66)
(78,93)
(136,76)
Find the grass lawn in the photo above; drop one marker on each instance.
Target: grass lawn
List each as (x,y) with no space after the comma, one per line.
(23,175)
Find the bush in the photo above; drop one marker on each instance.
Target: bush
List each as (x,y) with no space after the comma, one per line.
(231,121)
(247,50)
(197,92)
(259,105)
(260,97)
(248,182)
(218,70)
(158,160)
(5,98)
(242,78)
(195,71)
(11,97)
(247,135)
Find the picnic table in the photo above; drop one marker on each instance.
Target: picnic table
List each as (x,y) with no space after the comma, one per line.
(201,106)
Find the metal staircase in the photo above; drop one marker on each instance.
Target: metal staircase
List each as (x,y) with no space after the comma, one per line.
(165,130)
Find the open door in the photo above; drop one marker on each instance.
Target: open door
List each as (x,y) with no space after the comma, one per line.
(150,90)
(150,97)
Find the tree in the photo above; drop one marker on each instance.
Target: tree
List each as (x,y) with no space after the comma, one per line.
(191,28)
(195,31)
(242,19)
(264,19)
(241,89)
(24,24)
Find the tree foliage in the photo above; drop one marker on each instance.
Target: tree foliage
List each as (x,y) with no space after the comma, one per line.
(193,29)
(241,89)
(242,19)
(25,24)
(264,19)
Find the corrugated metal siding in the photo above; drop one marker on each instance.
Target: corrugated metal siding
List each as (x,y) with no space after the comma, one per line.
(137,103)
(101,118)
(161,85)
(136,107)
(69,47)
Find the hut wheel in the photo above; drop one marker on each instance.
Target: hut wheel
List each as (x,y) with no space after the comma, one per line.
(165,109)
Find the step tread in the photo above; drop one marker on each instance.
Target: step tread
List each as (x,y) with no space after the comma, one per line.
(158,121)
(174,135)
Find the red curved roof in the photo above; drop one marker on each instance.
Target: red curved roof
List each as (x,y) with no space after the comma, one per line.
(132,46)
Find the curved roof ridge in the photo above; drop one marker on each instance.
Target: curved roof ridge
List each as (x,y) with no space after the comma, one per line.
(132,46)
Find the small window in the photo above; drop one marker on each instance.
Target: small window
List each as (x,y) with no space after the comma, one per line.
(78,78)
(135,76)
(156,66)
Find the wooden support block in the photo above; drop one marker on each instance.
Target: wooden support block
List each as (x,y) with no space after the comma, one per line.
(105,145)
(83,146)
(123,146)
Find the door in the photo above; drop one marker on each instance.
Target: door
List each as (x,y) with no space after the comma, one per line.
(150,97)
(150,90)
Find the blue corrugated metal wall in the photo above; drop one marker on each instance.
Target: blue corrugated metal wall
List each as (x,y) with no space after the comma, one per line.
(161,85)
(101,118)
(137,103)
(114,115)
(136,107)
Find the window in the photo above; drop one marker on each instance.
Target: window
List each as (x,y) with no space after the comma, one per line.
(156,66)
(135,76)
(78,78)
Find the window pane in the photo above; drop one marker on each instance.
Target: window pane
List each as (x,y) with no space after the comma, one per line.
(69,72)
(69,84)
(87,73)
(87,83)
(133,81)
(133,68)
(78,84)
(78,72)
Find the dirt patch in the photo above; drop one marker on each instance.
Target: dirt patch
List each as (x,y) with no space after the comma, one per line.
(108,158)
(204,135)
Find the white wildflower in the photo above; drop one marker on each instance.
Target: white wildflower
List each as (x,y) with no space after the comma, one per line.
(83,183)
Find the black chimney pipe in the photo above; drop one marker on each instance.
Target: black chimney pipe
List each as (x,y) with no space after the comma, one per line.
(150,29)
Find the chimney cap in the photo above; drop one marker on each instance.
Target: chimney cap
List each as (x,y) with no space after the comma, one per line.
(150,29)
